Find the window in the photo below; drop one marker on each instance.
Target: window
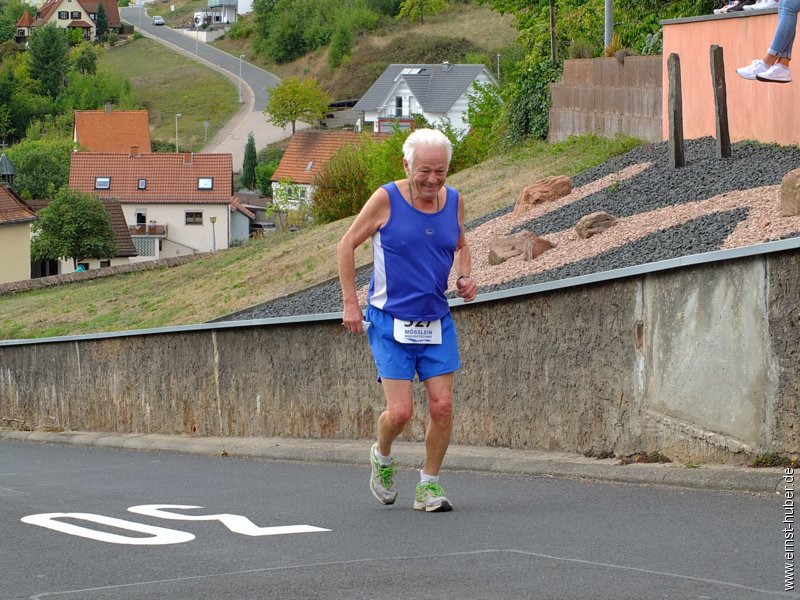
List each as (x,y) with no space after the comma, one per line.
(93,16)
(398,106)
(75,14)
(105,263)
(194,218)
(141,216)
(102,183)
(20,33)
(63,14)
(205,183)
(142,185)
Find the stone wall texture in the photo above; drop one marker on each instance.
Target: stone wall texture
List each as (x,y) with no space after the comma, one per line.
(700,363)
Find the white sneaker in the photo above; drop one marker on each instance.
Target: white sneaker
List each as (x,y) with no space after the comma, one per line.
(777,73)
(753,69)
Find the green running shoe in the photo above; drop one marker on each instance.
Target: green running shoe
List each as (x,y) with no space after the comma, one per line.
(431,498)
(382,480)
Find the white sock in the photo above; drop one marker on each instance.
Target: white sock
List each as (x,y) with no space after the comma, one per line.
(384,461)
(425,478)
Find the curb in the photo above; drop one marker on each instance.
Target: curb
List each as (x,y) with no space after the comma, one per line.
(408,454)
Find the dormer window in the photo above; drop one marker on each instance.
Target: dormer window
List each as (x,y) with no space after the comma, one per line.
(142,185)
(93,16)
(102,183)
(205,183)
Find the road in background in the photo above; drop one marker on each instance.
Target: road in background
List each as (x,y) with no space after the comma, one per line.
(510,537)
(255,83)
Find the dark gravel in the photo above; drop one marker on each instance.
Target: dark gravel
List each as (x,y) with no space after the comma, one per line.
(704,176)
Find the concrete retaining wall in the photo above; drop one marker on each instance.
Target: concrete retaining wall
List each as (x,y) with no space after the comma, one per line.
(701,362)
(608,97)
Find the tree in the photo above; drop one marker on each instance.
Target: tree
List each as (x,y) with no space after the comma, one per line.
(42,166)
(74,225)
(415,10)
(293,99)
(101,27)
(49,58)
(248,177)
(85,59)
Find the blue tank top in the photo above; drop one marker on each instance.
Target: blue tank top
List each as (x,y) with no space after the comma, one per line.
(412,257)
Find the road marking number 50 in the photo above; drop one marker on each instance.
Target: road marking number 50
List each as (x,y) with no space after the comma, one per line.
(157,536)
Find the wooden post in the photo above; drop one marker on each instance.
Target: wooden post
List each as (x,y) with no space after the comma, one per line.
(720,102)
(675,112)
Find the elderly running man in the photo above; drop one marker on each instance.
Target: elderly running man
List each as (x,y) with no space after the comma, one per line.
(417,231)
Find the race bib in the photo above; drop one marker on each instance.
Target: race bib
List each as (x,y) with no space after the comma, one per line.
(418,332)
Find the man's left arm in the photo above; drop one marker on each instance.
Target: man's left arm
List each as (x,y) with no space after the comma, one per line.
(467,288)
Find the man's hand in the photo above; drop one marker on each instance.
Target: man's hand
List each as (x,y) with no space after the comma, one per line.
(352,319)
(467,288)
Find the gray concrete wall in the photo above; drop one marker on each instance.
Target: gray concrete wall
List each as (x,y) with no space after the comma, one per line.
(700,362)
(608,97)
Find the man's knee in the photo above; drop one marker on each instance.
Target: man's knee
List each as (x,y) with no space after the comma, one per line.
(441,407)
(400,415)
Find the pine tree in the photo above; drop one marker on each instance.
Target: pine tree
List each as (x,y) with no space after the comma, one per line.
(102,21)
(248,177)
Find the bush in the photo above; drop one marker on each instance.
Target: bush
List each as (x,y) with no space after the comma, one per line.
(241,30)
(112,38)
(529,105)
(343,185)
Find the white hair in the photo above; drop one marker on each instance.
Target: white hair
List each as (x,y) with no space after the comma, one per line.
(425,137)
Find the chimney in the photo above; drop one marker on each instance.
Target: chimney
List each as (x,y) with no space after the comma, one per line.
(446,65)
(107,108)
(187,158)
(134,151)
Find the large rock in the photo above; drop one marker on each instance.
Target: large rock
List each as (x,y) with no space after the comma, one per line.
(593,224)
(790,194)
(523,243)
(544,190)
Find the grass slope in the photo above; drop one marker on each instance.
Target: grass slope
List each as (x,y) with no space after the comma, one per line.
(265,269)
(464,32)
(166,83)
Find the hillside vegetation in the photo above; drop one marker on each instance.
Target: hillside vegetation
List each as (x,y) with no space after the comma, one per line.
(264,269)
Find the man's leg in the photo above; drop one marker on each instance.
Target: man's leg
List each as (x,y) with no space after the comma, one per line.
(440,427)
(399,408)
(399,405)
(430,495)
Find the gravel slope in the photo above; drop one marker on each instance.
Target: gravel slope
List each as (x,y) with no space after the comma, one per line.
(663,213)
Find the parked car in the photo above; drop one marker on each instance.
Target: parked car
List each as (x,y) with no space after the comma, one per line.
(158,20)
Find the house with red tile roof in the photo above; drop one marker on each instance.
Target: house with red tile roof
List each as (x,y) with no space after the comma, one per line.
(112,131)
(174,204)
(126,250)
(16,217)
(308,151)
(69,14)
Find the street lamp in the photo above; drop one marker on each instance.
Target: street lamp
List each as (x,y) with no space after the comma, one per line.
(196,36)
(205,138)
(213,234)
(241,56)
(177,115)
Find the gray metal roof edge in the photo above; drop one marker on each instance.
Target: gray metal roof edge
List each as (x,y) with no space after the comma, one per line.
(643,269)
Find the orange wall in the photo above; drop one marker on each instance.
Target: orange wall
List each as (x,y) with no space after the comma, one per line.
(767,112)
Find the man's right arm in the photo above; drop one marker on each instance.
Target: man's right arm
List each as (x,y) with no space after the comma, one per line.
(373,216)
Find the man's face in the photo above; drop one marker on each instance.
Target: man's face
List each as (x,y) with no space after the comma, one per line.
(430,171)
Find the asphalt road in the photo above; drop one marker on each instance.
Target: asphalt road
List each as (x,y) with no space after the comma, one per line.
(258,79)
(509,537)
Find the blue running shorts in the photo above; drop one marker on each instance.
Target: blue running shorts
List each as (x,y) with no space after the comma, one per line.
(401,361)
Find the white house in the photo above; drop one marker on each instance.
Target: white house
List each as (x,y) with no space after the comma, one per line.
(440,93)
(174,204)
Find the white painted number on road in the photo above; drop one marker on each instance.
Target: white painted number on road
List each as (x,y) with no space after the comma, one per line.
(160,535)
(236,523)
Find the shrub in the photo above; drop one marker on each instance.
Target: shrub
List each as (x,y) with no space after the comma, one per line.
(342,186)
(112,38)
(241,30)
(529,105)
